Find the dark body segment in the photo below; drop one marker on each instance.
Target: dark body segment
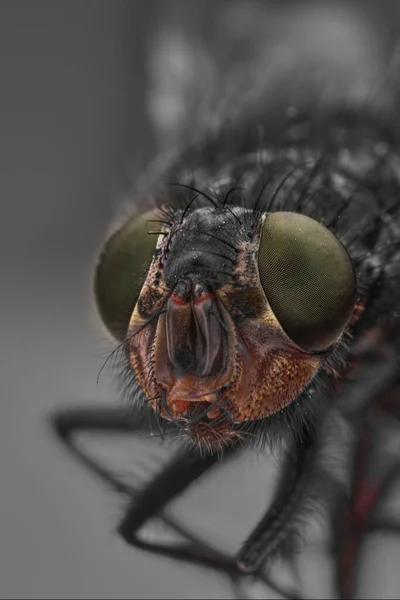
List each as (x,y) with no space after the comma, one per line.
(342,169)
(203,342)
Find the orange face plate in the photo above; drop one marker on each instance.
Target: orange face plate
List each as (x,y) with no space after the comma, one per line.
(254,369)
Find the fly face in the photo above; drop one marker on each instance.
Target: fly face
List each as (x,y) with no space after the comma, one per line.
(238,311)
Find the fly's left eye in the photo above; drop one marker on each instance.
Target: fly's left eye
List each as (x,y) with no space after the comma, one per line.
(120,272)
(307,277)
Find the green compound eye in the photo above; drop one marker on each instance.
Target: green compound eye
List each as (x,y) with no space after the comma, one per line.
(308,279)
(121,270)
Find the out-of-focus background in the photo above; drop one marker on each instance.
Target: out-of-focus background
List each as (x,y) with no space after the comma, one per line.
(89,92)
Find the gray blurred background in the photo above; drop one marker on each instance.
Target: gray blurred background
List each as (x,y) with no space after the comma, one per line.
(82,110)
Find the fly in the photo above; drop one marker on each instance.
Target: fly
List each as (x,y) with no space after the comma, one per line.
(254,301)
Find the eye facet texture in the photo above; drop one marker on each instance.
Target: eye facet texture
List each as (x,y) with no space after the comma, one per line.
(308,279)
(120,272)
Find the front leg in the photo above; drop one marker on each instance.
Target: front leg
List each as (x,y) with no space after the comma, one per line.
(149,503)
(270,535)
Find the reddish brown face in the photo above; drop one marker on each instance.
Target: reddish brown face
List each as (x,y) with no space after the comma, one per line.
(216,357)
(204,362)
(232,324)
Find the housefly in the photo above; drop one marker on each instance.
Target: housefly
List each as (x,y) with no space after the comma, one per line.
(253,296)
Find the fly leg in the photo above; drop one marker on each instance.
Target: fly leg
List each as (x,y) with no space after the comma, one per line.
(275,534)
(171,483)
(66,424)
(375,473)
(184,469)
(148,503)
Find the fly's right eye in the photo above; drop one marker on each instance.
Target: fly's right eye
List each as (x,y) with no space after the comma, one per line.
(307,277)
(120,272)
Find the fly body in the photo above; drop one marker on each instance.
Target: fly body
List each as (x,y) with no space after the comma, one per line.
(253,296)
(258,276)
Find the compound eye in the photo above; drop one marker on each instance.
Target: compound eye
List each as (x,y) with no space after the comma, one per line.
(121,270)
(308,279)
